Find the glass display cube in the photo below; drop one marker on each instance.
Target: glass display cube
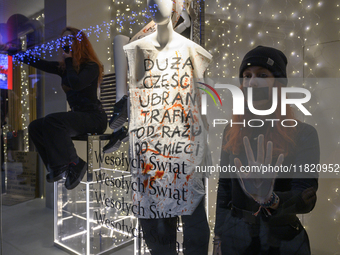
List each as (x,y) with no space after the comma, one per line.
(96,217)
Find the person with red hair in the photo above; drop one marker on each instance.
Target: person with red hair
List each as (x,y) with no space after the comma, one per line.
(255,211)
(81,73)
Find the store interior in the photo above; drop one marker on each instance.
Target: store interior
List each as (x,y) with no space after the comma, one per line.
(308,32)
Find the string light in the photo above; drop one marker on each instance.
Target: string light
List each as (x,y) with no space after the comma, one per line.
(126,18)
(291,27)
(24,104)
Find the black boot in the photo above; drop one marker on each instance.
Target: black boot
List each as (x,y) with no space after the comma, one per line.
(120,114)
(116,139)
(57,174)
(76,174)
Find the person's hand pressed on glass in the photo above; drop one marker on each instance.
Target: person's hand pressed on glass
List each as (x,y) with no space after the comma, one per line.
(255,183)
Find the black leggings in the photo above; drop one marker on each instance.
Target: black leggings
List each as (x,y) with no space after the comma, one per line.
(160,234)
(52,134)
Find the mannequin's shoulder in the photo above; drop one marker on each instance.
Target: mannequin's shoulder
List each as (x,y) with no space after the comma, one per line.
(192,46)
(143,43)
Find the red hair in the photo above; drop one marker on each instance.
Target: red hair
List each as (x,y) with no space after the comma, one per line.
(283,138)
(82,51)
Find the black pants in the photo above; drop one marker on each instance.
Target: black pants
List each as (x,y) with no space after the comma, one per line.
(52,134)
(241,238)
(160,234)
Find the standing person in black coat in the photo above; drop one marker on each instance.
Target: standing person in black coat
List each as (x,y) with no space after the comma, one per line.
(81,72)
(256,213)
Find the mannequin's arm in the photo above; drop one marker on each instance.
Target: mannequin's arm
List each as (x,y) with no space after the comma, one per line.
(121,65)
(185,24)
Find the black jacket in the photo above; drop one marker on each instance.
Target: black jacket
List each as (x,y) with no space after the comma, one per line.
(80,88)
(288,186)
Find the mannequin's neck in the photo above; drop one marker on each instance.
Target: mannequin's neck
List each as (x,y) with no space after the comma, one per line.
(164,34)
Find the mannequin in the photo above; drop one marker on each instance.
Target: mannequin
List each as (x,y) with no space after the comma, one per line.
(168,135)
(120,110)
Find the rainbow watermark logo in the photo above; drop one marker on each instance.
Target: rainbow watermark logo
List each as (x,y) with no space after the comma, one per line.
(204,97)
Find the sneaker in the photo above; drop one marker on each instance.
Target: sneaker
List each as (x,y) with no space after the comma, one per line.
(119,113)
(58,174)
(116,140)
(76,174)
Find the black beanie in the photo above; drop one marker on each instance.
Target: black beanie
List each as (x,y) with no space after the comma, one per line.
(272,59)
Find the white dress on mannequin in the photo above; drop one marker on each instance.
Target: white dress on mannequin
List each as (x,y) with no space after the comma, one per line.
(168,136)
